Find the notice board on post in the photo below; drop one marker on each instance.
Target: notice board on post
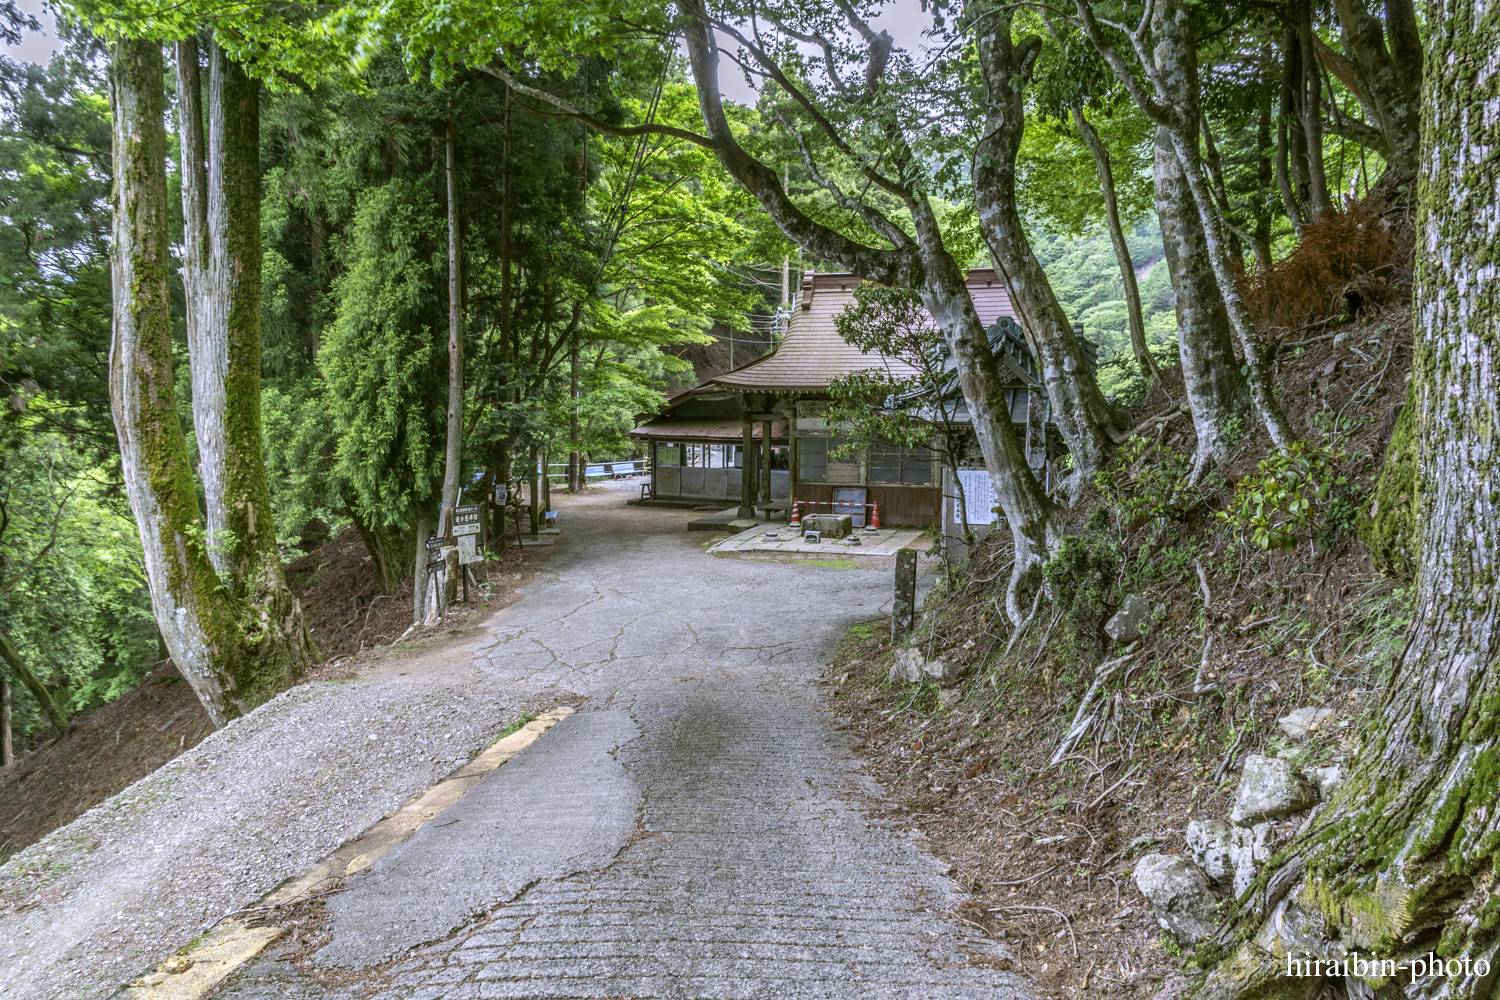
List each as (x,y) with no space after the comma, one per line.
(468,550)
(979,492)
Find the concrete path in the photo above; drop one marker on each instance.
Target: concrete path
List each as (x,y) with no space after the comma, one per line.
(700,828)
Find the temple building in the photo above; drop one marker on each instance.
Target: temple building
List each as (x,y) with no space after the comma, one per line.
(767,417)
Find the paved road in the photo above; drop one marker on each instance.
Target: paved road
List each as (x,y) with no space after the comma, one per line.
(700,828)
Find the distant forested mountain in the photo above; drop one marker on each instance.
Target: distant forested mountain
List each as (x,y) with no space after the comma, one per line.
(1086,279)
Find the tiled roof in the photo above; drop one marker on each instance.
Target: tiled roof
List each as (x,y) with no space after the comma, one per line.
(813,354)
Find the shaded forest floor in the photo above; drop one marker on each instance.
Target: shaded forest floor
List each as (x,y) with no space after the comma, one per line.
(117,744)
(1049,849)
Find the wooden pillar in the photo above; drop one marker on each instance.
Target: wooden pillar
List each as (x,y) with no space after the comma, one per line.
(766,450)
(536,496)
(547,479)
(747,465)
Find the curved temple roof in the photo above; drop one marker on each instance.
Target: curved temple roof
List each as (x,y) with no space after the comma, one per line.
(813,354)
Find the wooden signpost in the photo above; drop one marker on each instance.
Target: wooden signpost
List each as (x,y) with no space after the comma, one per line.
(466,531)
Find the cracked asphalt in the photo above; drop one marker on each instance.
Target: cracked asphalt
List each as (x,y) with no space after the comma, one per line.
(699,828)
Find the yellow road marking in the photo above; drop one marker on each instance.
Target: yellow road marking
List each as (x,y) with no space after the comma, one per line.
(231,943)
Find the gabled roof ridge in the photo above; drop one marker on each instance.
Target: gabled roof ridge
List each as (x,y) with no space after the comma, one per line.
(813,354)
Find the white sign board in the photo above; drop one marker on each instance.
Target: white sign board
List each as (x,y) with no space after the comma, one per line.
(468,549)
(979,491)
(466,520)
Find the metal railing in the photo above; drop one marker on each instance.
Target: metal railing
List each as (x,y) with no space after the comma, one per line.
(557,472)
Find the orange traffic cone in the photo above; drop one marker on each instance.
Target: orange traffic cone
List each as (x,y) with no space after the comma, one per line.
(875,515)
(796,514)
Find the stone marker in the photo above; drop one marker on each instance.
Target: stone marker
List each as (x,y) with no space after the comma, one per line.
(905,607)
(829,525)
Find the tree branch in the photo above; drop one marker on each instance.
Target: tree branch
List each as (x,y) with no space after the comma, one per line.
(568,110)
(872,217)
(828,60)
(1336,64)
(42,554)
(1155,109)
(899,268)
(774,72)
(12,658)
(1358,131)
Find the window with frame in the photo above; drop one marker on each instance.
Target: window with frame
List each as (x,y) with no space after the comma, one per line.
(814,464)
(904,466)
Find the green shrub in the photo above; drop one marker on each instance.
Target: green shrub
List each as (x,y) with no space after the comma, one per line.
(1291,489)
(1081,582)
(1149,485)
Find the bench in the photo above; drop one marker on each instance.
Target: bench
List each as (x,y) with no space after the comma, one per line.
(771,507)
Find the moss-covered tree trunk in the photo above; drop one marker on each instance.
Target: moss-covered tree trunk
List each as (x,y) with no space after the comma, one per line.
(226,364)
(234,656)
(190,611)
(453,452)
(1403,860)
(1078,407)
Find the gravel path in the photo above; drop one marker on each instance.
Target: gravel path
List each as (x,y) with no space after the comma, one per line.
(97,902)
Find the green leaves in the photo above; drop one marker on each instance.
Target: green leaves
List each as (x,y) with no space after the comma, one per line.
(902,398)
(1278,505)
(381,360)
(73,599)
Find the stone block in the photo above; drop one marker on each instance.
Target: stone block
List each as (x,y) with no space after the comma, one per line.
(1251,848)
(1209,840)
(943,670)
(1325,779)
(829,525)
(907,666)
(1126,624)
